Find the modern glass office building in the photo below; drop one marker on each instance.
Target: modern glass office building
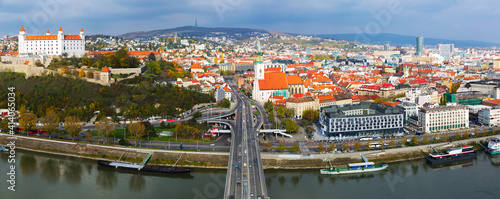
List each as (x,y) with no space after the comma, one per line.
(420,46)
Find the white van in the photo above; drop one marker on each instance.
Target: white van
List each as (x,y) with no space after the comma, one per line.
(365,138)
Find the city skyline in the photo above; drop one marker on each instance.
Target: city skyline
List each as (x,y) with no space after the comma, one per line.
(315,17)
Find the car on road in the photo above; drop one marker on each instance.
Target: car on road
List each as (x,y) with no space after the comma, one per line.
(251,194)
(236,165)
(239,153)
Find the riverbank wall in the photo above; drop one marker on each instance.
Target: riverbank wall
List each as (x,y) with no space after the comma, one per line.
(220,159)
(113,153)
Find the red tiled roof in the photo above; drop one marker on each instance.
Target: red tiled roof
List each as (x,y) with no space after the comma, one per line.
(41,37)
(72,37)
(196,66)
(273,81)
(105,69)
(294,80)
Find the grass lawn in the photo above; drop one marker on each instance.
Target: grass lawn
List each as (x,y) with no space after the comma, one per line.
(119,133)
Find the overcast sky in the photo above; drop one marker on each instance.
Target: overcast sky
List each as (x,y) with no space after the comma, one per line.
(449,19)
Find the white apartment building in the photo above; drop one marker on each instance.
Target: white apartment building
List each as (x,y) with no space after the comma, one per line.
(440,118)
(489,117)
(363,119)
(73,45)
(409,110)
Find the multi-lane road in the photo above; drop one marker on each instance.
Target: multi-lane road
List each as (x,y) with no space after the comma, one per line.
(245,176)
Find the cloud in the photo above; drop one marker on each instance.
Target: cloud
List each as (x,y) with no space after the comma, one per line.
(453,19)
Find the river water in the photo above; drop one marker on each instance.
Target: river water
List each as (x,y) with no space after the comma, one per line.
(43,176)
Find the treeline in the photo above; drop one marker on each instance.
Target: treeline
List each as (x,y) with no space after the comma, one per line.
(162,69)
(76,97)
(120,59)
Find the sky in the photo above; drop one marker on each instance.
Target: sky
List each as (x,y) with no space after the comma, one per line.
(446,19)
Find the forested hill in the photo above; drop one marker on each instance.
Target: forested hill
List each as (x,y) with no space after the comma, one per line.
(76,97)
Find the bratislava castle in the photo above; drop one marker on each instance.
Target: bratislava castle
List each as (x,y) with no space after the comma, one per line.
(51,44)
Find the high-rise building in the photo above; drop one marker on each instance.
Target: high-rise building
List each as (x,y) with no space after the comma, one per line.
(387,47)
(446,50)
(420,46)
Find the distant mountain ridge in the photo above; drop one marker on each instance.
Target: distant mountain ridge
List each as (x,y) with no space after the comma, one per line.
(382,38)
(396,39)
(193,31)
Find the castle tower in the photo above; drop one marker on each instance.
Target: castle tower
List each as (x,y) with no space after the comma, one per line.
(21,39)
(48,32)
(82,35)
(105,74)
(60,40)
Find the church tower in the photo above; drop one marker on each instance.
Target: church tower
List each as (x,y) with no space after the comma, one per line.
(406,72)
(259,63)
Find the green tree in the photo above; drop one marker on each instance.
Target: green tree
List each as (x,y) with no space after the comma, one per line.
(224,103)
(457,135)
(197,115)
(162,125)
(446,137)
(426,139)
(357,145)
(289,125)
(136,131)
(443,101)
(281,147)
(332,147)
(392,143)
(381,143)
(72,126)
(414,140)
(454,87)
(321,148)
(310,115)
(152,57)
(466,134)
(50,122)
(4,125)
(403,140)
(81,73)
(295,148)
(309,131)
(27,121)
(345,146)
(88,136)
(368,143)
(267,146)
(105,128)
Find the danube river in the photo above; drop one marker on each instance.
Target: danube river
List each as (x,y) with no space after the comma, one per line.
(42,176)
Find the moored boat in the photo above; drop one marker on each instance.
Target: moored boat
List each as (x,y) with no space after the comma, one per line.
(3,148)
(450,155)
(143,167)
(493,145)
(362,167)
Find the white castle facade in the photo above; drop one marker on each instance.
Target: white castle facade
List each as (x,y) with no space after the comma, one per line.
(51,44)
